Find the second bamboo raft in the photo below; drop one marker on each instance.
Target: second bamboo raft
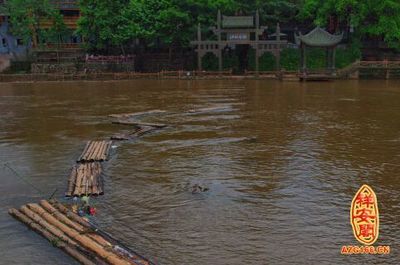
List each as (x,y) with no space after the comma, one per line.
(86,179)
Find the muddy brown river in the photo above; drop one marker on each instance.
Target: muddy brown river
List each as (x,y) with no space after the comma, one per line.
(282,162)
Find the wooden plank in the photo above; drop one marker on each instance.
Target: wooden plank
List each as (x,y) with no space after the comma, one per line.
(138,123)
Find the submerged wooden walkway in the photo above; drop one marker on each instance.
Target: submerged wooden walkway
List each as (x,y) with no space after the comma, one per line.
(73,234)
(86,176)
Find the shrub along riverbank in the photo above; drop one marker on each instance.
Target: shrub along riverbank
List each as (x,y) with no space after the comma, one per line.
(290,58)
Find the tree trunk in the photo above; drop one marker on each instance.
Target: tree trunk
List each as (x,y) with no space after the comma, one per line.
(170,53)
(122,49)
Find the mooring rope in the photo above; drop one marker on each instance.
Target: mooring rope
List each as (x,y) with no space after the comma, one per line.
(39,191)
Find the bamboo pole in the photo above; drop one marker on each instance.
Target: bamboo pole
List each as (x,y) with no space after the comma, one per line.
(99,155)
(104,151)
(78,182)
(96,147)
(82,239)
(48,207)
(89,154)
(107,152)
(61,217)
(42,222)
(94,176)
(70,214)
(97,151)
(71,182)
(84,151)
(49,236)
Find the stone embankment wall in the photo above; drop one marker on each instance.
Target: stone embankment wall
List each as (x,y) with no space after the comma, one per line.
(5,62)
(73,68)
(53,68)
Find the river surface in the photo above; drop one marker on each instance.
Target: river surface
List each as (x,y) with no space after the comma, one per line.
(282,162)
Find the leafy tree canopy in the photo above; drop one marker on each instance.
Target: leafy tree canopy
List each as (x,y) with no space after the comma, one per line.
(368,17)
(26,17)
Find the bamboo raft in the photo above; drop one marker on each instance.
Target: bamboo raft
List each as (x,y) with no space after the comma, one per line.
(139,131)
(74,235)
(95,151)
(85,179)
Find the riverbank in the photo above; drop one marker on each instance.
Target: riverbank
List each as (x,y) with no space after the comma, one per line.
(165,75)
(186,75)
(356,70)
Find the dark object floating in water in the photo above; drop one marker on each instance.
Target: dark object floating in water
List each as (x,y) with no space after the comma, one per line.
(73,234)
(95,151)
(139,131)
(196,188)
(135,114)
(85,179)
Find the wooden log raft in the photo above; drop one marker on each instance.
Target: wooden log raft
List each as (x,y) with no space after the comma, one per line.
(71,233)
(139,131)
(95,151)
(85,179)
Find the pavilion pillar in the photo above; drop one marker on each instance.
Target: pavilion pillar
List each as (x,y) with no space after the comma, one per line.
(199,52)
(303,58)
(257,38)
(219,59)
(333,59)
(219,41)
(278,52)
(327,59)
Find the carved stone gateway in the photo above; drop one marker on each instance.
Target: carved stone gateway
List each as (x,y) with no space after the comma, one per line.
(238,30)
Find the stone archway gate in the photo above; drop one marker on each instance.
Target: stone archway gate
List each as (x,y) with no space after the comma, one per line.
(233,30)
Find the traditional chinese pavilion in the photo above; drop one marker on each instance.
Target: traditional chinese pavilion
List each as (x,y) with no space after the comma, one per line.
(238,30)
(318,37)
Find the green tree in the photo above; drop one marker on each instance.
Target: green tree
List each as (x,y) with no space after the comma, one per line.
(26,17)
(105,23)
(160,19)
(368,17)
(271,11)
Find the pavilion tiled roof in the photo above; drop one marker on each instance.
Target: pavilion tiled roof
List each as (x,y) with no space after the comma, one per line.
(318,37)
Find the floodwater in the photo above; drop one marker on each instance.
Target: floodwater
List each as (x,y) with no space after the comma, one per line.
(282,162)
